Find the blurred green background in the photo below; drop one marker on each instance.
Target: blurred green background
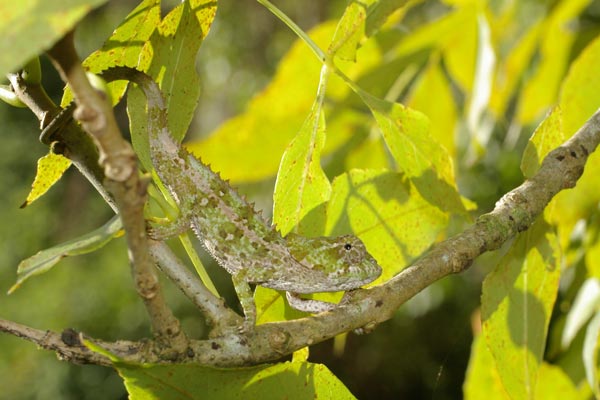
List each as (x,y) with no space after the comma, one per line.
(421,353)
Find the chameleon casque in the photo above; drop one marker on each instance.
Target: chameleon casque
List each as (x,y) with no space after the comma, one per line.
(241,241)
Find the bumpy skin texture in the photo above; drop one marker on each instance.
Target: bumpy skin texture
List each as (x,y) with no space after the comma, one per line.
(237,236)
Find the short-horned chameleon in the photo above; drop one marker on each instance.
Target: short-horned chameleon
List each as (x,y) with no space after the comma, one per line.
(242,242)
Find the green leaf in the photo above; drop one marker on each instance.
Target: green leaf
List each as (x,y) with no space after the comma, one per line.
(290,380)
(424,160)
(49,170)
(349,31)
(29,27)
(386,211)
(301,184)
(547,136)
(482,380)
(169,56)
(516,304)
(46,259)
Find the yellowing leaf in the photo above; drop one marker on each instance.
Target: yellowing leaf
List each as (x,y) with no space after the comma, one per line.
(553,382)
(301,184)
(592,251)
(460,47)
(482,380)
(361,19)
(300,380)
(386,211)
(548,136)
(512,69)
(50,168)
(516,304)
(249,147)
(370,154)
(272,306)
(386,11)
(123,47)
(580,93)
(455,36)
(540,91)
(580,98)
(425,162)
(442,112)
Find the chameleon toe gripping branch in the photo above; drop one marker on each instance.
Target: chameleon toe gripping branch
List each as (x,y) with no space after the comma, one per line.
(241,241)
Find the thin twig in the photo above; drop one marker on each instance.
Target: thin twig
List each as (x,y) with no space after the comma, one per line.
(216,312)
(68,345)
(75,144)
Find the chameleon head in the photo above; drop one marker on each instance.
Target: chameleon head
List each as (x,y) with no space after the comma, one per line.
(343,260)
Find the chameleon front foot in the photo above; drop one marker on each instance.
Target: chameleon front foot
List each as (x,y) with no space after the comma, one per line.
(308,305)
(166,229)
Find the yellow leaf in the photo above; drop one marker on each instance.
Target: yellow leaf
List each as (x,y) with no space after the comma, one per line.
(49,170)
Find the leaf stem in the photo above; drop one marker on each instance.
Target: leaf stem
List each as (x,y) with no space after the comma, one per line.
(295,28)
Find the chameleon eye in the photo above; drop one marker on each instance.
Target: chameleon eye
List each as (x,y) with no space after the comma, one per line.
(348,246)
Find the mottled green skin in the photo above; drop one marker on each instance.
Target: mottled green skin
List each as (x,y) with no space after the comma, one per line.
(237,236)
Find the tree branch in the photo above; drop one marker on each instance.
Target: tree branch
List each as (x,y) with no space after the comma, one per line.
(514,212)
(95,113)
(67,344)
(216,312)
(75,144)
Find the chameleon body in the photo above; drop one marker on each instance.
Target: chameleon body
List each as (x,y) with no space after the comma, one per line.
(242,242)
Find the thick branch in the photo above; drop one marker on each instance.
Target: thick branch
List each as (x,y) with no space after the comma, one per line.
(95,113)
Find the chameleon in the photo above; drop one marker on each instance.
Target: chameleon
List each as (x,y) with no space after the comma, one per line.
(236,235)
